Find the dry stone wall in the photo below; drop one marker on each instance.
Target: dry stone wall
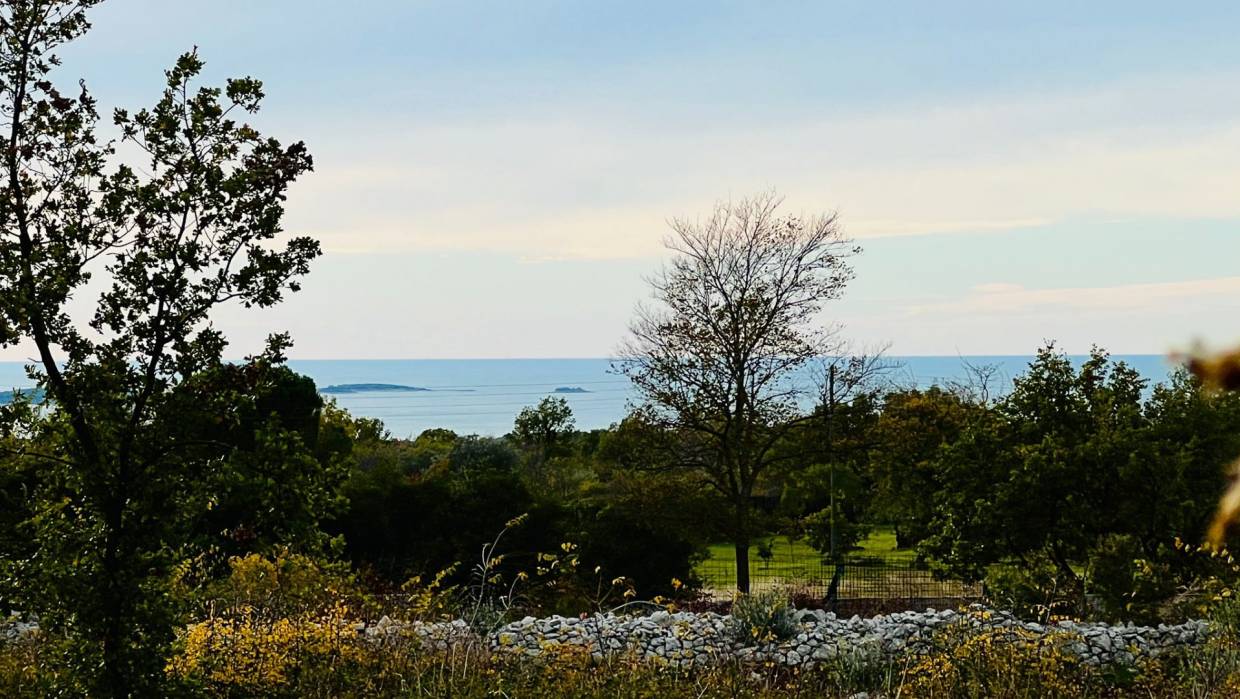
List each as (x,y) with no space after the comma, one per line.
(690,639)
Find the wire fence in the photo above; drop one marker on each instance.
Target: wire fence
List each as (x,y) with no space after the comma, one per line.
(881,579)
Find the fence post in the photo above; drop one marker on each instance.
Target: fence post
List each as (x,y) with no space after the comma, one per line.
(833,590)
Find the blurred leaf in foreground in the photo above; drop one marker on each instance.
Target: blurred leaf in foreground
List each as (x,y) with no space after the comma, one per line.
(1222,372)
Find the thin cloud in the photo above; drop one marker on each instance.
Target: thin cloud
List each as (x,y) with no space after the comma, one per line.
(894,229)
(594,186)
(1003,298)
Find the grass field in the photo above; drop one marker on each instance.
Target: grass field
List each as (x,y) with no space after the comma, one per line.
(876,569)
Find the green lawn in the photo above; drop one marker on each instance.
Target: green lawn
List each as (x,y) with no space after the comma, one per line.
(794,563)
(881,543)
(790,559)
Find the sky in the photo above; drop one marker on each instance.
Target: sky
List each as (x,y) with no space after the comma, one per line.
(495,179)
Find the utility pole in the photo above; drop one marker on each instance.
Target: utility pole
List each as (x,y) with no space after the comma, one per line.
(833,589)
(831,450)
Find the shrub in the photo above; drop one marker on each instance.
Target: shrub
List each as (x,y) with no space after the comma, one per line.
(1214,669)
(1036,590)
(249,653)
(25,669)
(624,539)
(848,533)
(281,585)
(1001,663)
(763,616)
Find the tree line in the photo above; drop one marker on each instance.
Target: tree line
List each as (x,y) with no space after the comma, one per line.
(1065,492)
(145,463)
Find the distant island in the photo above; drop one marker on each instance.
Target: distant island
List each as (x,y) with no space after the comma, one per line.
(369,388)
(570,389)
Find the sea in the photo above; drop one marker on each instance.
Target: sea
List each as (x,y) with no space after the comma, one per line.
(483,396)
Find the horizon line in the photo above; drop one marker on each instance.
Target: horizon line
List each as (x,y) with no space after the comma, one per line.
(1166,355)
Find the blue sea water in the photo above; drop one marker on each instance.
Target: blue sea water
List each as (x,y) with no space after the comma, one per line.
(482,396)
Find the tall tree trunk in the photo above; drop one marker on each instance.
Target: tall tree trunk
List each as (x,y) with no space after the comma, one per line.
(740,539)
(742,564)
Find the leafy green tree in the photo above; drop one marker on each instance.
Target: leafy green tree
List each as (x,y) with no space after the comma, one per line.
(1168,483)
(547,435)
(648,527)
(276,484)
(431,447)
(1042,475)
(1167,490)
(473,455)
(383,524)
(967,526)
(908,436)
(832,496)
(545,429)
(191,228)
(423,507)
(829,523)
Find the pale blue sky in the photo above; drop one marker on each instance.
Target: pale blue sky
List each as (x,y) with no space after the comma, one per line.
(493,178)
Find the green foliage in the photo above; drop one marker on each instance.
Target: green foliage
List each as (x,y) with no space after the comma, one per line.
(1083,470)
(808,499)
(474,456)
(276,485)
(651,529)
(1036,589)
(136,442)
(545,428)
(826,523)
(1128,586)
(912,429)
(1214,670)
(419,508)
(763,616)
(404,520)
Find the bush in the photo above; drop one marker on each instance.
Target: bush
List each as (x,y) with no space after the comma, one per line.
(1001,663)
(848,533)
(1037,590)
(763,616)
(1214,669)
(625,540)
(25,668)
(248,653)
(281,585)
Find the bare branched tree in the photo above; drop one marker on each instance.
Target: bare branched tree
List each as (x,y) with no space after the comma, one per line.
(977,383)
(855,370)
(722,359)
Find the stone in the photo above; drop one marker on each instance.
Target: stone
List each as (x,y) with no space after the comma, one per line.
(684,639)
